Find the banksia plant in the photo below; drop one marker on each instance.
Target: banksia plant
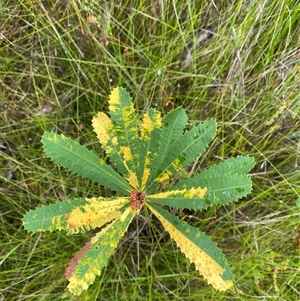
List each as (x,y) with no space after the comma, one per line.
(143,154)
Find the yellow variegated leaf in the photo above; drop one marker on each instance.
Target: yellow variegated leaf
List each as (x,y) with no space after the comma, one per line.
(150,129)
(97,254)
(186,193)
(126,130)
(150,123)
(167,174)
(196,246)
(105,132)
(102,126)
(96,213)
(126,153)
(132,179)
(183,198)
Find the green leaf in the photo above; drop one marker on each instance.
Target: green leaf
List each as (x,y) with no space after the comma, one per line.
(97,256)
(173,126)
(198,247)
(190,145)
(80,160)
(222,191)
(238,166)
(225,182)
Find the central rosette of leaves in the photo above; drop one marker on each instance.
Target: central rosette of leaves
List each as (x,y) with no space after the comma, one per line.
(136,199)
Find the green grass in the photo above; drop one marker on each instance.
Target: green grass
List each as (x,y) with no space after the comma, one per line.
(58,63)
